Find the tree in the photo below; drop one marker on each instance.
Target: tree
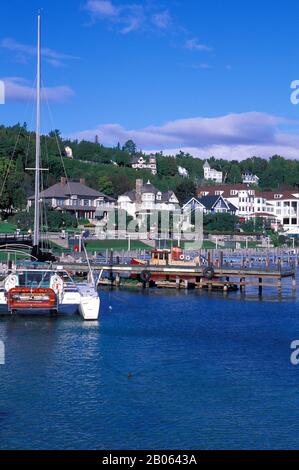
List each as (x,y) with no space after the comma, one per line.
(185,191)
(105,185)
(223,223)
(167,166)
(130,147)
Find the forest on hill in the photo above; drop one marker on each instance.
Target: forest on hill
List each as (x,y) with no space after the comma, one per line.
(108,169)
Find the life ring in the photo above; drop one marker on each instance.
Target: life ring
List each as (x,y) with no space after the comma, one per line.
(209,272)
(145,276)
(182,257)
(187,258)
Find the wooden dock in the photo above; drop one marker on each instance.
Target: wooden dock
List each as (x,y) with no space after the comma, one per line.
(224,277)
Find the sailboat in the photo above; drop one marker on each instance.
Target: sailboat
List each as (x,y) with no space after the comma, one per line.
(36,286)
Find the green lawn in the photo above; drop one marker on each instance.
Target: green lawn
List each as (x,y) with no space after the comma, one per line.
(6,227)
(117,245)
(185,245)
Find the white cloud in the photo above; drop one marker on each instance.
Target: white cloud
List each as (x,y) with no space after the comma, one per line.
(24,50)
(162,20)
(102,8)
(18,89)
(233,136)
(128,17)
(195,45)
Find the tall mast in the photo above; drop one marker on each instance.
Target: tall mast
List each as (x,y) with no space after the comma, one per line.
(37,155)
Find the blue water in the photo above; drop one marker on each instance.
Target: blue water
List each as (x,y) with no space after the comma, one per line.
(161,370)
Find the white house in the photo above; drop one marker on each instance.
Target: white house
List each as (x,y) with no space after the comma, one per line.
(68,151)
(142,162)
(250,178)
(213,175)
(145,198)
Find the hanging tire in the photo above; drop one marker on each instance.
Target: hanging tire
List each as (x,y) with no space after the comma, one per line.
(145,276)
(209,272)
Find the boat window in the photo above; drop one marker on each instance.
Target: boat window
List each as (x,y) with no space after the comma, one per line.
(34,279)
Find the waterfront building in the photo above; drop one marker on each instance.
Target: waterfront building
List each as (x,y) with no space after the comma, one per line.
(75,197)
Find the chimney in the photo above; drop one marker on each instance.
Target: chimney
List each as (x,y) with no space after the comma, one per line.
(82,181)
(63,181)
(139,185)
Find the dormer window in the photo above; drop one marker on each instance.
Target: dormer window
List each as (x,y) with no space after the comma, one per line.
(159,196)
(277,196)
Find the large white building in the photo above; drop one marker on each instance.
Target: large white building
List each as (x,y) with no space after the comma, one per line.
(281,208)
(211,174)
(145,199)
(283,205)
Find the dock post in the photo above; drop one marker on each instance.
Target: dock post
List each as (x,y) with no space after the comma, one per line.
(186,284)
(294,283)
(260,286)
(117,280)
(177,282)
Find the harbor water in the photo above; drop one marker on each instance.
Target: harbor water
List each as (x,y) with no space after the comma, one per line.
(160,370)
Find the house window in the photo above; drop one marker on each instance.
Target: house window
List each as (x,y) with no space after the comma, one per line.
(294,221)
(286,221)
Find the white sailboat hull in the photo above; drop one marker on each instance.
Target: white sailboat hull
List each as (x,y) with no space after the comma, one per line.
(89,308)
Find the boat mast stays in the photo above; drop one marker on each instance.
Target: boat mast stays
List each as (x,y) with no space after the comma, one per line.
(36,238)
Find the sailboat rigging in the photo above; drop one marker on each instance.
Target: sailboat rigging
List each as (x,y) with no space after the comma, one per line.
(31,287)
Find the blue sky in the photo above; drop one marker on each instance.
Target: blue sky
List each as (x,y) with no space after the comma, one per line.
(210,77)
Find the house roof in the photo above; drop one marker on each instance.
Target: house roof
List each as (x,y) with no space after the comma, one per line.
(210,202)
(146,158)
(272,195)
(224,189)
(149,188)
(194,201)
(65,190)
